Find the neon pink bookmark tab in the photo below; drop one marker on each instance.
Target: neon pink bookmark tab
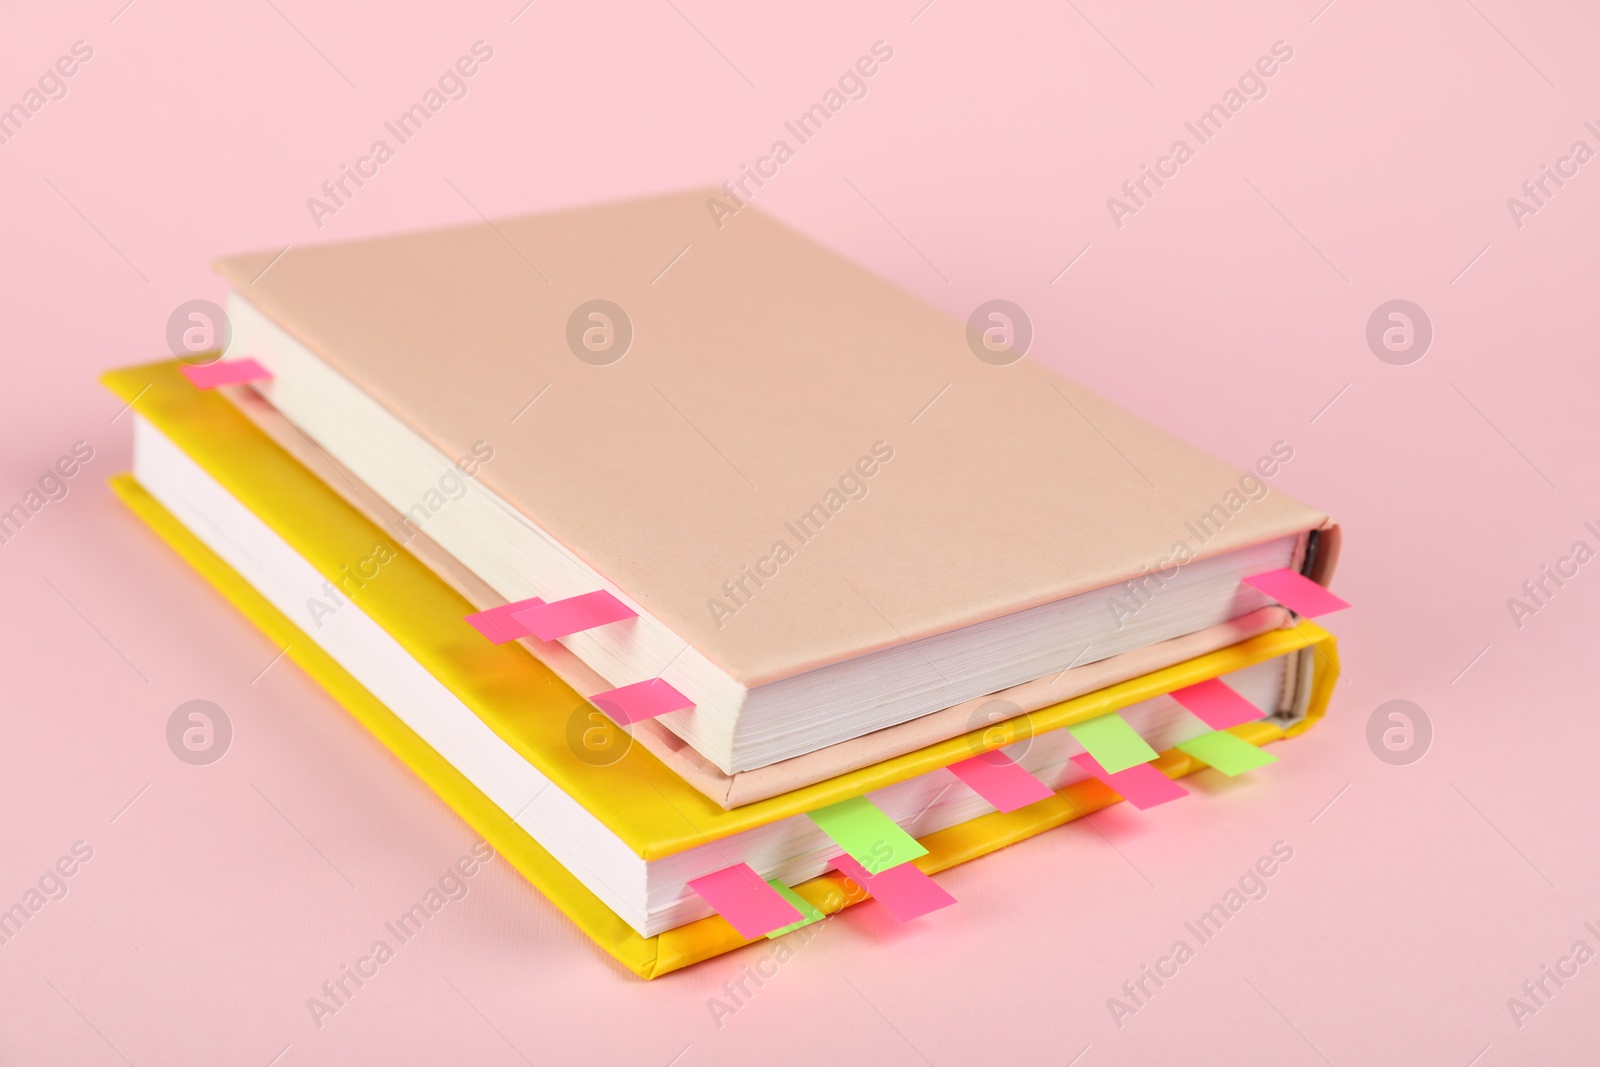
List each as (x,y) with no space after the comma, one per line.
(1296,592)
(1001,781)
(585,611)
(225,372)
(904,890)
(1142,786)
(743,897)
(1217,705)
(499,624)
(641,700)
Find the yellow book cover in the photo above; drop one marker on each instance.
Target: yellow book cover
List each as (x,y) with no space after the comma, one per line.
(653,811)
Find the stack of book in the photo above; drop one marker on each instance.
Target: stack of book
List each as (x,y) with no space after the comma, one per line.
(718,583)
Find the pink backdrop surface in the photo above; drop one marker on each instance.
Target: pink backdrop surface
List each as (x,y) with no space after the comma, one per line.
(1231,307)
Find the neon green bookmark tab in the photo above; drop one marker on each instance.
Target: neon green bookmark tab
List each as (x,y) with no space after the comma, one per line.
(867,834)
(1227,753)
(1111,741)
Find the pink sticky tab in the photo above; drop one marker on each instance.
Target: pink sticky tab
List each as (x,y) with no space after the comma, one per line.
(1296,592)
(1001,781)
(740,895)
(904,890)
(560,618)
(1142,786)
(499,624)
(225,372)
(641,700)
(1217,705)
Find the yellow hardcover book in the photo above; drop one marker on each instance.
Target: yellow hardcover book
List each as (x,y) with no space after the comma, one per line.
(637,798)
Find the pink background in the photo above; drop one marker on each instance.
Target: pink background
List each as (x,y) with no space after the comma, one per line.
(1231,309)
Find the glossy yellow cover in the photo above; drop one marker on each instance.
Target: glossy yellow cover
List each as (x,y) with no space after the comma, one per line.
(638,798)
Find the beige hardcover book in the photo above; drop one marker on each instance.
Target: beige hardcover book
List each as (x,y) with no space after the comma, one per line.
(829,513)
(746,787)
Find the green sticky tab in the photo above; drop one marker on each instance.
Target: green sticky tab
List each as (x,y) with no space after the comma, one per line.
(1110,740)
(809,912)
(1227,753)
(871,837)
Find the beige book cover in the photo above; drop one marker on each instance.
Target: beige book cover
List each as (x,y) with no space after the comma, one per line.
(786,460)
(746,787)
